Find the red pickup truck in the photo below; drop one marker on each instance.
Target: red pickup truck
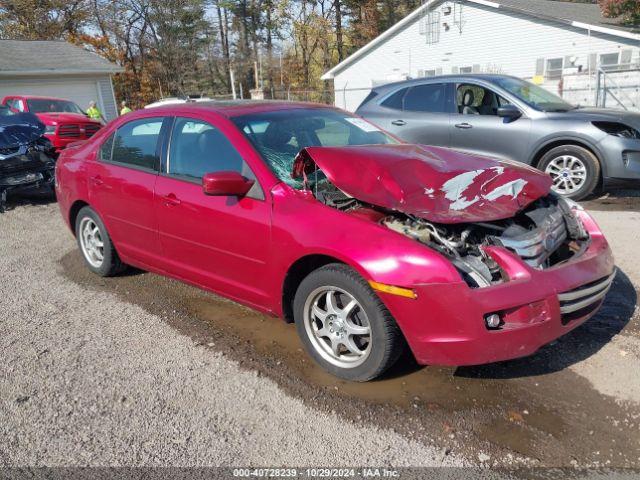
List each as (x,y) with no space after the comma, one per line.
(64,120)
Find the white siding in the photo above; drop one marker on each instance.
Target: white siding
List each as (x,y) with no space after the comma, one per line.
(491,40)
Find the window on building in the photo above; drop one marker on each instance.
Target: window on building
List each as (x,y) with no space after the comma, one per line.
(430,73)
(610,61)
(554,68)
(426,98)
(466,69)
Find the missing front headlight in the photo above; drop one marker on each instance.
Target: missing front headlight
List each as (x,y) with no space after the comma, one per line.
(617,129)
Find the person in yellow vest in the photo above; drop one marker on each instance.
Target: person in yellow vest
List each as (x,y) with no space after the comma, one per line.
(124,109)
(94,112)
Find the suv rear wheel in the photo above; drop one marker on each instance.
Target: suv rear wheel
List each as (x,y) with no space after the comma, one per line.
(344,326)
(575,170)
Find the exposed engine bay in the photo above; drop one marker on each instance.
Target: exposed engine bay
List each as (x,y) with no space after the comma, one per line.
(543,234)
(26,156)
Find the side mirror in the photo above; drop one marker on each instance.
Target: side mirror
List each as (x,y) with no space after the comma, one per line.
(226,184)
(510,112)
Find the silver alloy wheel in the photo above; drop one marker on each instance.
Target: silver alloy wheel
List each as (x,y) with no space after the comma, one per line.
(337,327)
(91,242)
(568,173)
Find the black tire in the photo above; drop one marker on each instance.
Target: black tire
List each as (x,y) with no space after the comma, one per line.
(386,340)
(111,264)
(591,164)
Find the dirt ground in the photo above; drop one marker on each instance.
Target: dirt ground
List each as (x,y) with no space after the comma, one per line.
(574,403)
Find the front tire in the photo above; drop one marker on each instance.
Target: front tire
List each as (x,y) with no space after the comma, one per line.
(96,246)
(344,326)
(575,171)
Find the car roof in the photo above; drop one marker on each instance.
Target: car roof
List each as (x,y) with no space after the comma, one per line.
(488,77)
(40,97)
(235,108)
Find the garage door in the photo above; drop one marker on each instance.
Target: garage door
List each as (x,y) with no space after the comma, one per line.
(80,92)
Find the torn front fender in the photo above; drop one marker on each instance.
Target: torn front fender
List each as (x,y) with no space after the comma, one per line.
(437,184)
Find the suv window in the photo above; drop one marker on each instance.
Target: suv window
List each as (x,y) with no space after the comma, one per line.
(395,100)
(476,100)
(426,98)
(198,147)
(136,143)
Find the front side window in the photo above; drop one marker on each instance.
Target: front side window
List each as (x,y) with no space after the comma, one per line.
(289,131)
(476,100)
(426,98)
(136,143)
(197,147)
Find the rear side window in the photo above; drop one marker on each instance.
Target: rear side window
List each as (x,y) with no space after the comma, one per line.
(395,100)
(106,149)
(369,97)
(426,98)
(136,143)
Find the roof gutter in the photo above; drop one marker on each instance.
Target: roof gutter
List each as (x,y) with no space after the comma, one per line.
(329,75)
(30,73)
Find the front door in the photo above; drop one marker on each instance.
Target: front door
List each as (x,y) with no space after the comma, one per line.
(219,242)
(476,127)
(121,187)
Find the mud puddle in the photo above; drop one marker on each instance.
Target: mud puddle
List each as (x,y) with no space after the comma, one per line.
(532,411)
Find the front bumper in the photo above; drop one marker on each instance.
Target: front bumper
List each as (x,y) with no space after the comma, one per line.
(621,158)
(445,324)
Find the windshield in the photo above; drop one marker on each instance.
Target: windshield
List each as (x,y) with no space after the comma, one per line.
(534,96)
(50,105)
(279,136)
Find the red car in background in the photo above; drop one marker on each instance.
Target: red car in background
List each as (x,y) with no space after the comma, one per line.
(65,121)
(315,215)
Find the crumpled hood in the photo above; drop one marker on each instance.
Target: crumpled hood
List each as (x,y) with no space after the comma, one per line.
(437,184)
(20,129)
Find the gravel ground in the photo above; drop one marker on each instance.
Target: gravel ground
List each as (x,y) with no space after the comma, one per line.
(141,370)
(88,379)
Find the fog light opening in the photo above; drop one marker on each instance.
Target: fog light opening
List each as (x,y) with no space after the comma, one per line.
(493,321)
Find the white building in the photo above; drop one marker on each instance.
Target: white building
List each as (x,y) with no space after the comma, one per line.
(541,40)
(57,69)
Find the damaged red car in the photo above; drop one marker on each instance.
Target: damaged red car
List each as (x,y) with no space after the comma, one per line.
(312,214)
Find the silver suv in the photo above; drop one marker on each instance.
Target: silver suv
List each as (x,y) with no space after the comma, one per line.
(508,118)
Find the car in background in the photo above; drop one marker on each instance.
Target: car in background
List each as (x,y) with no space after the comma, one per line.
(313,214)
(508,118)
(65,122)
(177,100)
(26,156)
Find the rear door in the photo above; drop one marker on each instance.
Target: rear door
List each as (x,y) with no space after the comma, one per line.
(416,114)
(480,130)
(122,183)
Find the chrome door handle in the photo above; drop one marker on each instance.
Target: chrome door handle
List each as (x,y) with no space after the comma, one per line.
(464,125)
(399,123)
(171,200)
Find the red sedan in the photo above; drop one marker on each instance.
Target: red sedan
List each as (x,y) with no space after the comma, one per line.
(312,214)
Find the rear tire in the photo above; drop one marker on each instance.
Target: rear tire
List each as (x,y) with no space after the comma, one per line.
(344,326)
(95,244)
(574,170)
